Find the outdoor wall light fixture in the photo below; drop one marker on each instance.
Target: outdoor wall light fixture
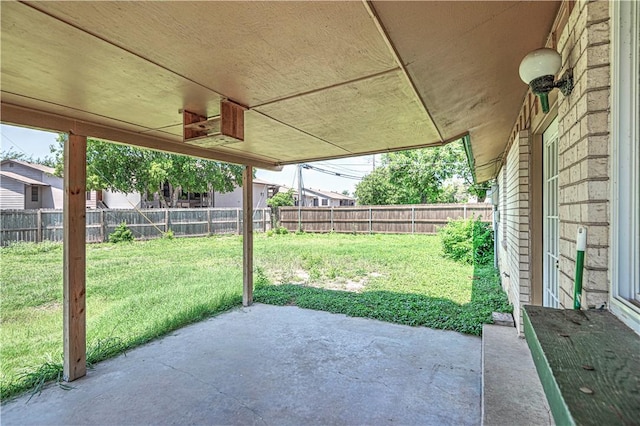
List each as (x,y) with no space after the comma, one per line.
(538,70)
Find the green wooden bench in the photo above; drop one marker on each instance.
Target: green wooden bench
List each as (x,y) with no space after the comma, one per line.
(588,363)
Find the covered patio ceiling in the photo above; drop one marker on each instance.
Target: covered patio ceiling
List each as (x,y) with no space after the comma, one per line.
(320,80)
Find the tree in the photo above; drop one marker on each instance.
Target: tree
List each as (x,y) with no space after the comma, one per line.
(375,188)
(124,168)
(418,176)
(281,199)
(12,154)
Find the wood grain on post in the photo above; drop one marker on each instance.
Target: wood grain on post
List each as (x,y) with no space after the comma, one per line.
(247,236)
(74,263)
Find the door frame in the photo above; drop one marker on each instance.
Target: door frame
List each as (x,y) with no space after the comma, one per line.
(539,125)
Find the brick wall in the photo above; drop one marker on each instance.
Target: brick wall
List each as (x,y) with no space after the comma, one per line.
(515,245)
(584,144)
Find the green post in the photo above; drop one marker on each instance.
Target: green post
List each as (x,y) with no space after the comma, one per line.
(581,246)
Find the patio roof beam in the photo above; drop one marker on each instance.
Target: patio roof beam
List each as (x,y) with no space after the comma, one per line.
(21,116)
(247,236)
(74,262)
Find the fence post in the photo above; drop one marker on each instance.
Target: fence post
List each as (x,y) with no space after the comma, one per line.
(208,221)
(166,220)
(264,220)
(103,227)
(238,230)
(464,212)
(370,220)
(413,219)
(331,218)
(39,224)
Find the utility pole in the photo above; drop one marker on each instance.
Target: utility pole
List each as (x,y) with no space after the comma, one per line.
(300,197)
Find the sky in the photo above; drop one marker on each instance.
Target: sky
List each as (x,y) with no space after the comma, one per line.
(36,143)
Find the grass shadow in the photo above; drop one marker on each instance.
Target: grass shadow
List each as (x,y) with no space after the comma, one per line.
(403,308)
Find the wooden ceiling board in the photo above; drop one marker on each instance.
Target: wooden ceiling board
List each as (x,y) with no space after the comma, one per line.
(467,73)
(379,113)
(272,140)
(38,105)
(322,76)
(251,52)
(277,140)
(43,58)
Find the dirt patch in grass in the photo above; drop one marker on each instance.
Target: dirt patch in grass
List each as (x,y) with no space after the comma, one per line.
(305,278)
(49,307)
(323,280)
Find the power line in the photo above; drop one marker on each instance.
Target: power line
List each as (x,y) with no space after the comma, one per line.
(330,172)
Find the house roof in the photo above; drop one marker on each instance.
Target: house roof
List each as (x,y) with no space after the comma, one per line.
(23,179)
(330,194)
(320,80)
(41,167)
(264,182)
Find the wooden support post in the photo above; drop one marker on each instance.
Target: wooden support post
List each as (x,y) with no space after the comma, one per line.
(370,220)
(238,227)
(74,262)
(166,220)
(247,236)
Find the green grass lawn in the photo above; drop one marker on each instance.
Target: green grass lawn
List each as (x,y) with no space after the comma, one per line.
(139,291)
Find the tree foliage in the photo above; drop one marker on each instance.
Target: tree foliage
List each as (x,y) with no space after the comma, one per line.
(11,154)
(281,199)
(124,168)
(418,177)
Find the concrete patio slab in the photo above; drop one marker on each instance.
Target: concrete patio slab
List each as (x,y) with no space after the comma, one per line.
(275,365)
(512,392)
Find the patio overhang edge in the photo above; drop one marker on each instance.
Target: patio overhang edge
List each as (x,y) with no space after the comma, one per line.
(22,116)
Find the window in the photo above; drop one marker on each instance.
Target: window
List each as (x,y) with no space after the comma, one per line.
(88,196)
(625,273)
(35,191)
(325,202)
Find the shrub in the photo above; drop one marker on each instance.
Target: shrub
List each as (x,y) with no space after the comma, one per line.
(121,234)
(468,241)
(168,235)
(281,230)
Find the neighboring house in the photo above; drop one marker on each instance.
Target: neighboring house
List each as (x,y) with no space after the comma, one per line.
(118,200)
(34,186)
(262,191)
(29,186)
(309,198)
(330,198)
(577,166)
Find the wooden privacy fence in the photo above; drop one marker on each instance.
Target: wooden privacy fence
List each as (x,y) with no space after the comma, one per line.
(412,219)
(46,225)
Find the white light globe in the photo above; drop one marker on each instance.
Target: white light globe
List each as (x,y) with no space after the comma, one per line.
(539,63)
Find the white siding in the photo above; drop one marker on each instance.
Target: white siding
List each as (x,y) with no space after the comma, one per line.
(22,170)
(11,194)
(118,200)
(233,199)
(52,196)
